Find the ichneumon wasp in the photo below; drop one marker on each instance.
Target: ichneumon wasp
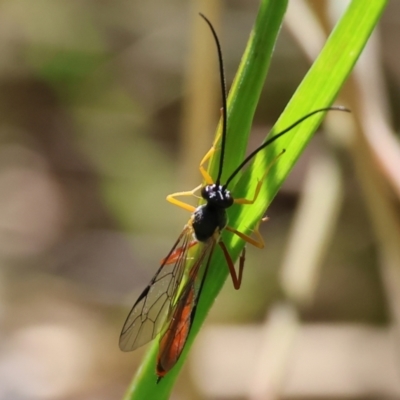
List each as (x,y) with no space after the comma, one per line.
(168,304)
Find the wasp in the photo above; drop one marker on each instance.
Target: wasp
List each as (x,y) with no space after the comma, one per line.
(168,304)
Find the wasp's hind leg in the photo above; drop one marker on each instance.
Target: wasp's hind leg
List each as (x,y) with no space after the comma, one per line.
(236,277)
(257,242)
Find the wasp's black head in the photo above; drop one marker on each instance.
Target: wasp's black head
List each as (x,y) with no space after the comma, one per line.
(217,195)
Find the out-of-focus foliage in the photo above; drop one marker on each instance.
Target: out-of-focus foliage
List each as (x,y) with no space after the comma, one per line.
(91,97)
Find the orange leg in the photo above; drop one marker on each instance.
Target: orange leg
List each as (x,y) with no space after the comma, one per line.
(236,278)
(258,241)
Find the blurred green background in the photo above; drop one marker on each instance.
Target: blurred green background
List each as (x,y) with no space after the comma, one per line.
(108,106)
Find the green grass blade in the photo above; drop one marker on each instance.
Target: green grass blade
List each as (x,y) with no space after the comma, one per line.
(318,89)
(243,99)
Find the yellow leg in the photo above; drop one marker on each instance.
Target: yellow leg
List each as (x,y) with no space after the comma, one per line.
(172,199)
(208,155)
(259,184)
(256,193)
(258,241)
(206,176)
(203,171)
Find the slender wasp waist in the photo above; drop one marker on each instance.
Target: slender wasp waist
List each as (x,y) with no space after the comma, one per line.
(211,217)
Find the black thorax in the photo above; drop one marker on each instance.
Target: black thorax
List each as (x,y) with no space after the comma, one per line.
(211,217)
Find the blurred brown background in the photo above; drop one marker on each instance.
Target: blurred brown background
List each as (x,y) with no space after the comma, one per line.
(108,106)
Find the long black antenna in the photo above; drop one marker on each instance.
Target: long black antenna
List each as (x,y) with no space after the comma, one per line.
(224,106)
(278,135)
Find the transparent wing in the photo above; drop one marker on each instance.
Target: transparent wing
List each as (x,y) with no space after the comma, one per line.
(177,331)
(153,307)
